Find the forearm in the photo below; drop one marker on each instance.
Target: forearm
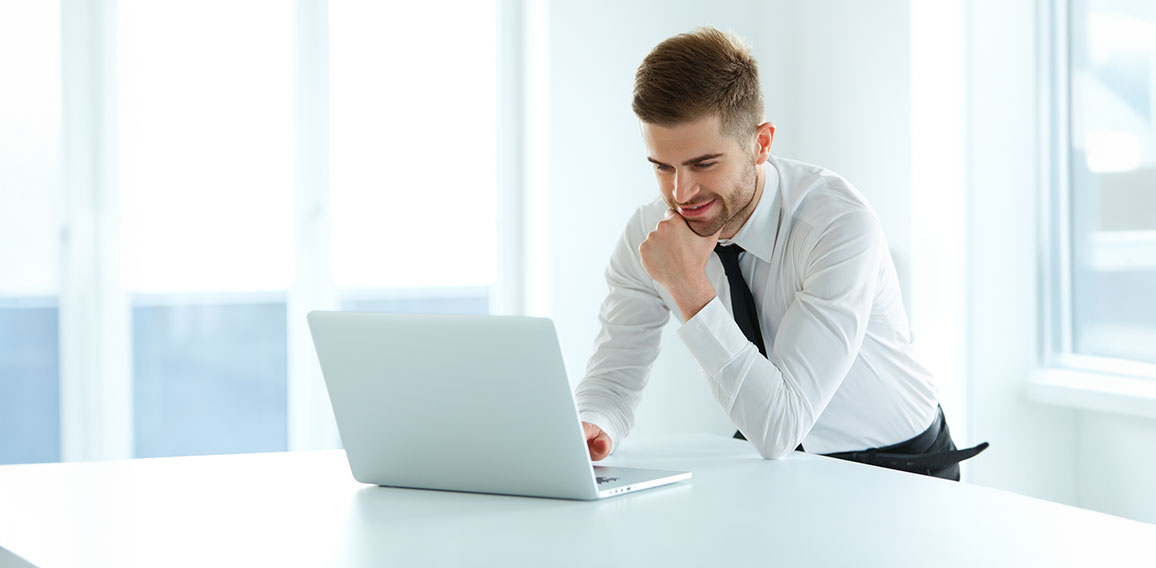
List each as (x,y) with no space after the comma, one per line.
(774,403)
(612,387)
(773,414)
(632,319)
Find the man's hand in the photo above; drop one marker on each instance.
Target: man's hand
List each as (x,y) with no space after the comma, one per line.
(597,441)
(676,258)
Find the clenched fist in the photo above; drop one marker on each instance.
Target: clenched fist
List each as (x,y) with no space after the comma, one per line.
(676,257)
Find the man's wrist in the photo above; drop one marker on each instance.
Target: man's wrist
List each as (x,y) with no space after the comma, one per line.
(692,296)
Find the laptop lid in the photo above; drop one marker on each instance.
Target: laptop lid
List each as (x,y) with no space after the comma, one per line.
(463,403)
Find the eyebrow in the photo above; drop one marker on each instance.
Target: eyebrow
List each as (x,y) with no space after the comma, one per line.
(689,162)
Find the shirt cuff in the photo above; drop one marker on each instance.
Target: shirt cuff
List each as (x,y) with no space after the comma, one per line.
(713,338)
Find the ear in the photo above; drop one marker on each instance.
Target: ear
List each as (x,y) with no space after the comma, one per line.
(763,138)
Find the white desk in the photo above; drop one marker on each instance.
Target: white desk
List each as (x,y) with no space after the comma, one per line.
(304,509)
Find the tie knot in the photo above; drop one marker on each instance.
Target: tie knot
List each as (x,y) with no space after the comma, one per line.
(728,252)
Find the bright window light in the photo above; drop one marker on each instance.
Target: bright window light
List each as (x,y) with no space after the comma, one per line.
(1112,151)
(29,131)
(413,119)
(205,129)
(1105,296)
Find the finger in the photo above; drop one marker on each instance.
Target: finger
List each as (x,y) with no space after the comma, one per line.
(676,220)
(599,447)
(660,227)
(591,431)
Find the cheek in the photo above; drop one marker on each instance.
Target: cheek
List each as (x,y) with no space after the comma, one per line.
(725,185)
(714,182)
(742,178)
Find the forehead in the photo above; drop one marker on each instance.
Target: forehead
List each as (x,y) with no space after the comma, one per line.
(675,143)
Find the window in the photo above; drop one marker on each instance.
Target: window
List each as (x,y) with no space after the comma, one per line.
(29,232)
(1105,219)
(205,168)
(201,239)
(413,155)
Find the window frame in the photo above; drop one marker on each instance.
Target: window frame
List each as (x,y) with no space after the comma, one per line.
(1064,378)
(1057,316)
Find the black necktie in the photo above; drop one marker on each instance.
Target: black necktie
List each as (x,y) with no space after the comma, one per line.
(742,303)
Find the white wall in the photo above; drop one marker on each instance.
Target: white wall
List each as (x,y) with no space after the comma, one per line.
(1032,445)
(850,80)
(1115,465)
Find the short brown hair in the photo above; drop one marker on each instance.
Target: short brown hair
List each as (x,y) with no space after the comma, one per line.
(691,75)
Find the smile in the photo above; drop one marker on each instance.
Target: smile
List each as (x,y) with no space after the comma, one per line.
(696,210)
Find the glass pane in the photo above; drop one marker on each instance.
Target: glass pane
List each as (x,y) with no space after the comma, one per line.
(1113,178)
(29,229)
(413,142)
(29,382)
(209,376)
(205,167)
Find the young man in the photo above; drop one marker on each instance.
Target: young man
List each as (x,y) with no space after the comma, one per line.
(780,272)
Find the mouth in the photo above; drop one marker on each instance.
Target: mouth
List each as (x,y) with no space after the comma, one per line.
(695,211)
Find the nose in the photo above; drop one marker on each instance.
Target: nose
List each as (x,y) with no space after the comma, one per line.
(685,186)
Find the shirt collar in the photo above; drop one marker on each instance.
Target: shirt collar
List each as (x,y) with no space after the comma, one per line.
(758,235)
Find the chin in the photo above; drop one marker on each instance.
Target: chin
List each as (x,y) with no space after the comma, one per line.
(704,229)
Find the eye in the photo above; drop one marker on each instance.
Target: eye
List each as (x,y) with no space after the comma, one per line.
(704,165)
(662,167)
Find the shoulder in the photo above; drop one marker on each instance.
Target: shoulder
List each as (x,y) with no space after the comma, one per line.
(823,212)
(820,198)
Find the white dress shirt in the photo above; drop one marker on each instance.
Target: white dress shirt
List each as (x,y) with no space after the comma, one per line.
(840,375)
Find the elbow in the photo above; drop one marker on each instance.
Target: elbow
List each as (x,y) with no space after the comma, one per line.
(775,445)
(774,449)
(774,453)
(778,431)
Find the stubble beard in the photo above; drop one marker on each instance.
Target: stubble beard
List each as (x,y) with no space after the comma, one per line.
(744,192)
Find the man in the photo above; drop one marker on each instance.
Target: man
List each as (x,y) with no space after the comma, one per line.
(780,272)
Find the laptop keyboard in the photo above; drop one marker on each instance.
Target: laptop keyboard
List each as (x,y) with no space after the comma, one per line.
(602,480)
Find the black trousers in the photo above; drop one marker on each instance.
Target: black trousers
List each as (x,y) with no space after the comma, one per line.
(931,453)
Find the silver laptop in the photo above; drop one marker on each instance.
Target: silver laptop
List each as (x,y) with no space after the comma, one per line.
(461,403)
